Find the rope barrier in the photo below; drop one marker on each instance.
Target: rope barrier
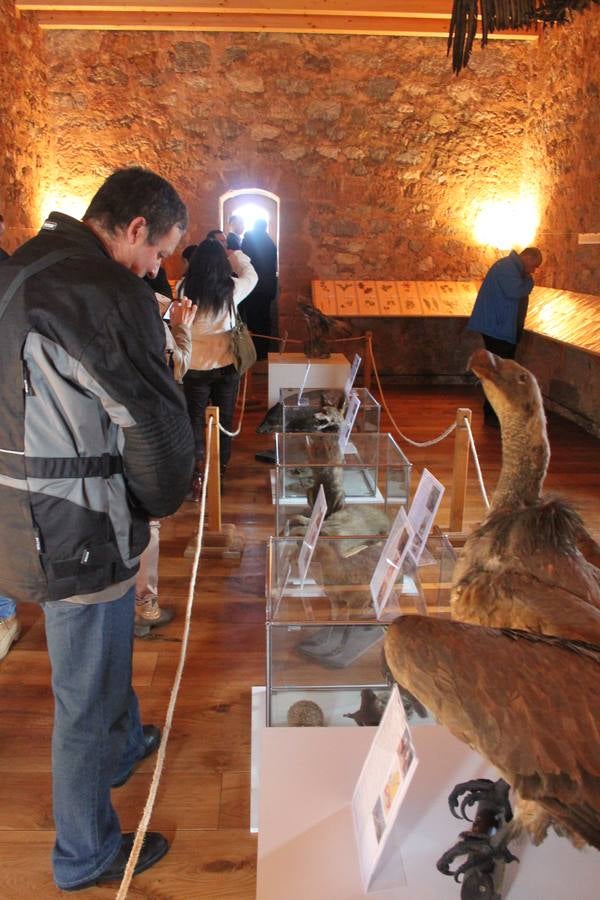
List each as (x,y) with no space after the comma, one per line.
(271,337)
(356,337)
(477,466)
(239,428)
(430,443)
(158,768)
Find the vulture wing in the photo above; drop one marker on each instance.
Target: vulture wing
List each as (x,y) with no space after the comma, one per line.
(529,704)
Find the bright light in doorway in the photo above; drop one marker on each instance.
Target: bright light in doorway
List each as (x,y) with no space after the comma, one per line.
(249,213)
(507,223)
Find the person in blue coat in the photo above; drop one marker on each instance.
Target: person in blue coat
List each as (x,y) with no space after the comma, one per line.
(501,307)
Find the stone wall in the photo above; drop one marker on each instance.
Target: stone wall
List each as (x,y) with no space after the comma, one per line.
(23,124)
(378,152)
(565,136)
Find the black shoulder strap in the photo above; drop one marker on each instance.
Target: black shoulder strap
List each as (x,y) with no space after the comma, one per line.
(32,269)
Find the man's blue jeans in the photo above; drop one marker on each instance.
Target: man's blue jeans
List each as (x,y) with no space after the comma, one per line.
(97,731)
(7,608)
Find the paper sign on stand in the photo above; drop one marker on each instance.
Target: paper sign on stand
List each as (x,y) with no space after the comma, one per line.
(423,511)
(351,377)
(380,790)
(348,423)
(300,401)
(311,536)
(390,562)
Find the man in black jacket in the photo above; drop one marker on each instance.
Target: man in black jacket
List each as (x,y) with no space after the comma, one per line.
(94,439)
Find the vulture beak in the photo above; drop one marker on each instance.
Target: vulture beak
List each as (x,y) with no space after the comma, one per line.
(484,364)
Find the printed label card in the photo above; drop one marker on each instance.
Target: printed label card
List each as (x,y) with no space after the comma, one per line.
(301,400)
(311,537)
(391,560)
(352,376)
(423,511)
(348,423)
(380,791)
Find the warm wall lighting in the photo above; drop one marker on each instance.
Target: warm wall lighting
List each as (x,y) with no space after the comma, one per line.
(69,204)
(507,223)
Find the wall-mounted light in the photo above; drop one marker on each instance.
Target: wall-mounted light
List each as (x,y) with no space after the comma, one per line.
(70,204)
(506,223)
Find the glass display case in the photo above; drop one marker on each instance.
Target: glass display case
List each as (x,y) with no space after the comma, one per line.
(296,413)
(324,641)
(370,470)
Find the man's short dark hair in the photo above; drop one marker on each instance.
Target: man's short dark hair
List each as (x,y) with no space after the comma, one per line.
(133,192)
(212,234)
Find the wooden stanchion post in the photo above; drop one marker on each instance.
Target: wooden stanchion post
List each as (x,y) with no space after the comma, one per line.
(368,360)
(459,470)
(218,539)
(213,489)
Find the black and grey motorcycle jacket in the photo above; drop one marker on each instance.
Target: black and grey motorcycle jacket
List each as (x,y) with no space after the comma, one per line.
(94,433)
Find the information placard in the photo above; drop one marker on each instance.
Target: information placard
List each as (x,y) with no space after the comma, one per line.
(352,376)
(390,561)
(301,401)
(423,511)
(381,788)
(311,537)
(350,418)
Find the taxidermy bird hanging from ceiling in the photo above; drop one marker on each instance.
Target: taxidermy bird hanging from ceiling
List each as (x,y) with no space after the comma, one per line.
(503,15)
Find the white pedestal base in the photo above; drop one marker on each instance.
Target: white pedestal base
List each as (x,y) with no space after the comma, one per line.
(287,370)
(306,846)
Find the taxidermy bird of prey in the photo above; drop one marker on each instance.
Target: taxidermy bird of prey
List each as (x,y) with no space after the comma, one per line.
(502,15)
(524,566)
(529,704)
(321,328)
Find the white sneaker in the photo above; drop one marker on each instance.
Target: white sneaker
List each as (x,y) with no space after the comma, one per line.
(9,632)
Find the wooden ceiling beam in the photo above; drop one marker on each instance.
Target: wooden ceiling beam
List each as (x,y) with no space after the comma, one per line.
(393,8)
(307,23)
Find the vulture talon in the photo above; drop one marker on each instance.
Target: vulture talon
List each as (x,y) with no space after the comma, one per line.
(481,855)
(474,790)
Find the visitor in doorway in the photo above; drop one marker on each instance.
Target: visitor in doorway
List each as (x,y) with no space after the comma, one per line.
(217,235)
(9,625)
(3,254)
(108,445)
(235,233)
(212,379)
(256,309)
(501,307)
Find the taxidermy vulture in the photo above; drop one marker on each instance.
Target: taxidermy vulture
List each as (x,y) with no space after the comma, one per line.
(525,692)
(524,566)
(528,703)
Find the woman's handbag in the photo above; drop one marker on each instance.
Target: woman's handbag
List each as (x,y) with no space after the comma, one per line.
(242,345)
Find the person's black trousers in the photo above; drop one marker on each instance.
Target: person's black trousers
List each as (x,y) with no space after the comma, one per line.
(213,387)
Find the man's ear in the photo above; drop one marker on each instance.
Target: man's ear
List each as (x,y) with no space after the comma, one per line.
(137,231)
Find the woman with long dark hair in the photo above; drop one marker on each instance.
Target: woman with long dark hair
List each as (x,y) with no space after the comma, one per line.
(212,378)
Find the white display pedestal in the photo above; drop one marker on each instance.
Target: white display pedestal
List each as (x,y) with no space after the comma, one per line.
(306,846)
(287,370)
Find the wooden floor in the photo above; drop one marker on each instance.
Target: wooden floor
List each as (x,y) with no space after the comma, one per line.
(203,801)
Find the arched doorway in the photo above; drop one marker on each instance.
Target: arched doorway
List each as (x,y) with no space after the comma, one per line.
(251,204)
